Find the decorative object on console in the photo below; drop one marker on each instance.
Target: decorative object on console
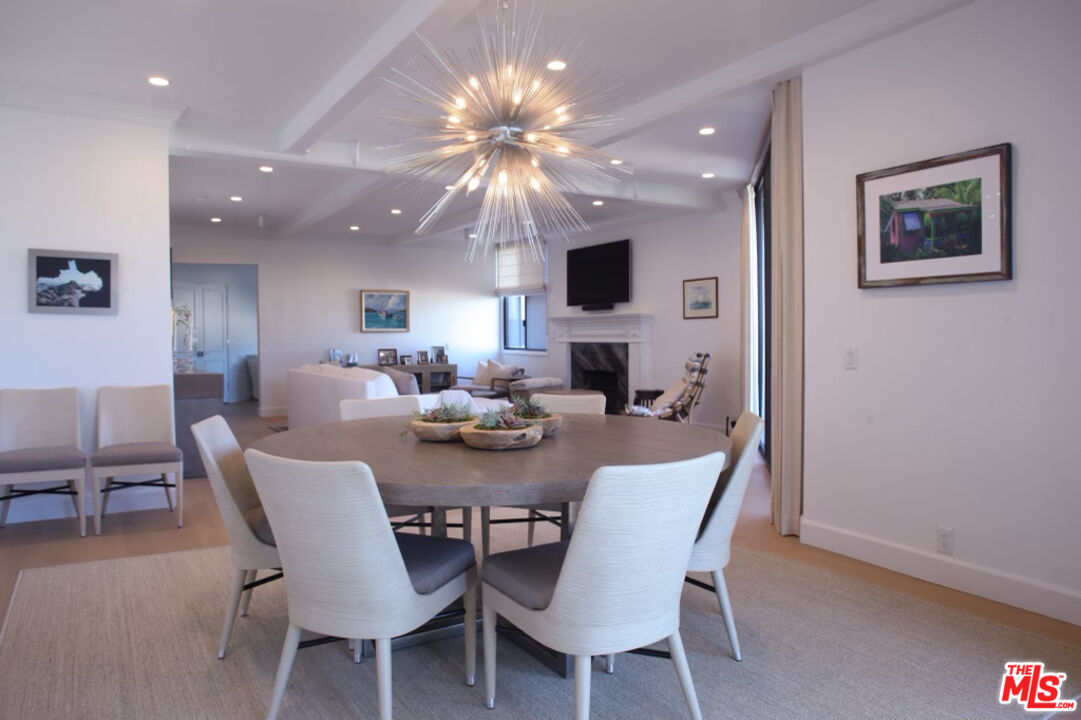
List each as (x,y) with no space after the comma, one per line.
(183,339)
(927,222)
(77,283)
(508,120)
(384,310)
(439,354)
(336,355)
(422,357)
(700,298)
(388,356)
(406,360)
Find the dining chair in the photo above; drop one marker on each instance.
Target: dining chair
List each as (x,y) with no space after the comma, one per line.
(251,540)
(615,585)
(347,573)
(713,548)
(587,404)
(40,444)
(402,405)
(136,437)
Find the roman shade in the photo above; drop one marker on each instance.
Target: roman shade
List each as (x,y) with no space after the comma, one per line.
(517,272)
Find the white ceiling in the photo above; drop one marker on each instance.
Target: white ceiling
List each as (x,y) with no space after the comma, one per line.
(299,86)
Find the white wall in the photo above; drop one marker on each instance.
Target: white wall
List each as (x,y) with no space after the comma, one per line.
(309,300)
(242,316)
(965,409)
(73,183)
(664,253)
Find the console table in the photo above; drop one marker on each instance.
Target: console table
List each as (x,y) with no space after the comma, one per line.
(431,378)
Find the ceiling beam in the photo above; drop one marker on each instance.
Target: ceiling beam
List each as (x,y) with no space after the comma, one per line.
(360,76)
(349,192)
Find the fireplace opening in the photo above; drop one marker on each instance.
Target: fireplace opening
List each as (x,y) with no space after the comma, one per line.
(603,367)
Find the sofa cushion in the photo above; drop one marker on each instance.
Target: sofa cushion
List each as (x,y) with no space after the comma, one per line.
(138,453)
(405,383)
(527,576)
(61,457)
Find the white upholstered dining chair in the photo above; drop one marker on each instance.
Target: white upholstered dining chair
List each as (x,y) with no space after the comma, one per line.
(713,548)
(40,444)
(251,541)
(347,574)
(136,437)
(615,585)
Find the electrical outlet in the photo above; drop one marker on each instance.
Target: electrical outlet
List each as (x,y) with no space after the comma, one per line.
(945,540)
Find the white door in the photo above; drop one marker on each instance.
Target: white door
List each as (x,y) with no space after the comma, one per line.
(209,328)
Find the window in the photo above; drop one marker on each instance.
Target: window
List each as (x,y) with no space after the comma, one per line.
(520,280)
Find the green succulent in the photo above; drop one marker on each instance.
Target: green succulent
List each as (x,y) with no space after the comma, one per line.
(500,419)
(449,413)
(529,408)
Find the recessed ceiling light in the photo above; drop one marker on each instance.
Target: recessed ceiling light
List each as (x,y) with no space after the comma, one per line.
(158,81)
(708,176)
(395,211)
(598,203)
(215,219)
(615,161)
(706,130)
(354,228)
(266,169)
(557,65)
(236,198)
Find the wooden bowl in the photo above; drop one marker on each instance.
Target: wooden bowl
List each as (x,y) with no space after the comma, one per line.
(525,437)
(550,424)
(439,432)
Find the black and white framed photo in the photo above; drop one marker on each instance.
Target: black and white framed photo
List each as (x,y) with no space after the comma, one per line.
(422,357)
(71,282)
(388,356)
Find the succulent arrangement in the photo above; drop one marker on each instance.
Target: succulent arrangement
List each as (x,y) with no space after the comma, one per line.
(449,413)
(497,419)
(529,408)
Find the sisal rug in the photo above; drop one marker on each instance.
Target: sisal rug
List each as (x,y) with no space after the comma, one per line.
(136,638)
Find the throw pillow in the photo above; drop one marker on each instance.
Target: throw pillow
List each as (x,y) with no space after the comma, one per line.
(499,370)
(483,375)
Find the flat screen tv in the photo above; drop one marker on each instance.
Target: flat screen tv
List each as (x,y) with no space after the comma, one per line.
(599,275)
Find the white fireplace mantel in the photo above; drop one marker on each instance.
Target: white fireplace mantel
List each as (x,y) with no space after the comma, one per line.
(635,329)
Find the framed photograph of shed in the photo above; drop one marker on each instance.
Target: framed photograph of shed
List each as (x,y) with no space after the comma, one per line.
(700,298)
(384,311)
(76,283)
(943,220)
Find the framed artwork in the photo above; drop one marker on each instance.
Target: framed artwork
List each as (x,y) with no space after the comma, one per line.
(384,311)
(406,360)
(700,298)
(76,283)
(388,356)
(422,357)
(942,220)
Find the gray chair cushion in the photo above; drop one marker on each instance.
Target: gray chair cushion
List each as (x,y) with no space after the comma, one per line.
(139,453)
(433,562)
(406,383)
(527,576)
(256,519)
(60,457)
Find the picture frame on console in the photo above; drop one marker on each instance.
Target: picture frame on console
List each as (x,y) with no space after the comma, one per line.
(72,282)
(384,311)
(700,298)
(388,356)
(943,220)
(405,360)
(422,357)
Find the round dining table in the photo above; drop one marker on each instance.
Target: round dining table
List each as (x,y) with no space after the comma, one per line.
(412,472)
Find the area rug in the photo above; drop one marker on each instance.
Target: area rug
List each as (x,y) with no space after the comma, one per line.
(136,638)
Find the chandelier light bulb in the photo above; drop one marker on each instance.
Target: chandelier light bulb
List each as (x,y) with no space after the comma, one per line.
(502,177)
(474,83)
(473,183)
(453,119)
(534,183)
(615,161)
(531,137)
(557,65)
(460,102)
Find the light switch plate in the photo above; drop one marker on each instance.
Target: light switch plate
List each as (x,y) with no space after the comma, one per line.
(850,357)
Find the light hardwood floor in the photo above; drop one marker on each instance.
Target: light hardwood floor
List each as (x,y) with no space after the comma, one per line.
(56,542)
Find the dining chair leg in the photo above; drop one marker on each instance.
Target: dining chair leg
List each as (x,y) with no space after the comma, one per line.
(356,646)
(239,576)
(485,530)
(489,619)
(74,497)
(178,478)
(470,602)
(5,490)
(383,677)
(679,659)
(105,495)
(96,497)
(285,666)
(165,487)
(726,611)
(610,664)
(583,665)
(245,598)
(80,502)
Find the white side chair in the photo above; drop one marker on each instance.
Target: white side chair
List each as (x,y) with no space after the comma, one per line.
(713,548)
(251,541)
(40,443)
(347,573)
(136,437)
(607,590)
(591,404)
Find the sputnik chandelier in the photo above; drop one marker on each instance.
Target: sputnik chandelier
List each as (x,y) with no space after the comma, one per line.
(507,122)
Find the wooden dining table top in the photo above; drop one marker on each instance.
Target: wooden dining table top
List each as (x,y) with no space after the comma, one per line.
(412,472)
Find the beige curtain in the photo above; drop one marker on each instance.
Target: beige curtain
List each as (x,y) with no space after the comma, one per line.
(786,381)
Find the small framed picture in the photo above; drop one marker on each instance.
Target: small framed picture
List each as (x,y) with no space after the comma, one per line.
(700,298)
(388,356)
(406,360)
(336,355)
(422,357)
(76,283)
(439,354)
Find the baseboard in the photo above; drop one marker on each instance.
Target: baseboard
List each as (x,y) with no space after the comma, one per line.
(1049,599)
(272,411)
